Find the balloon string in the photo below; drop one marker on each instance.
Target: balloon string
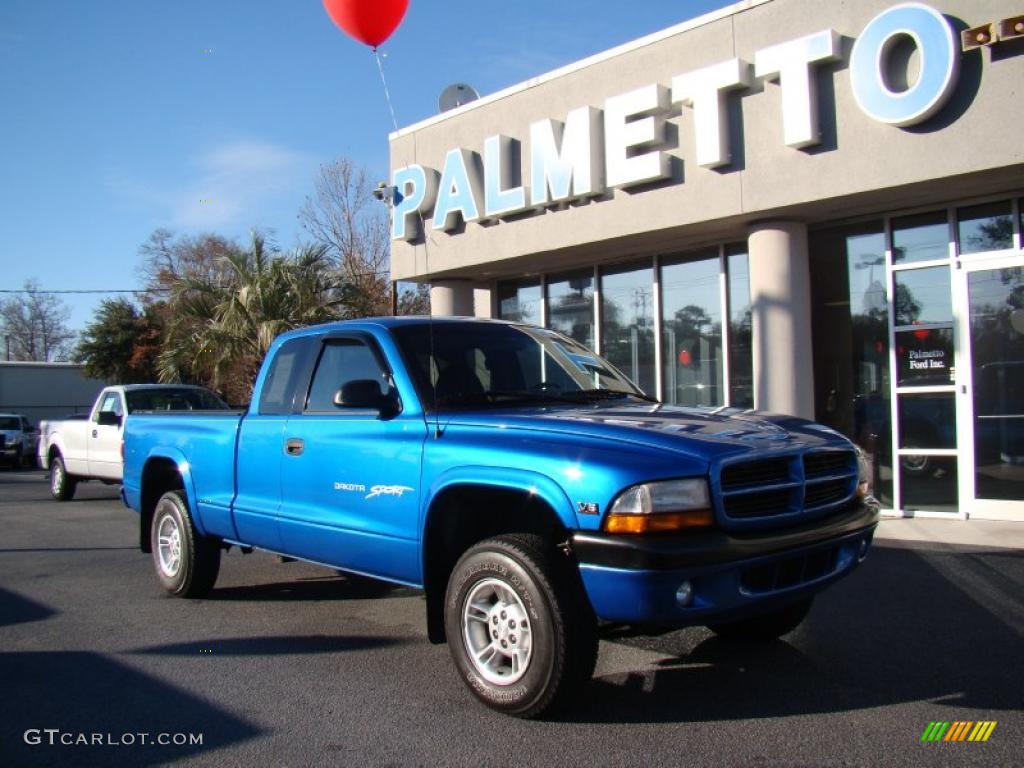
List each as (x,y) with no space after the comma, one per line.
(384,82)
(426,254)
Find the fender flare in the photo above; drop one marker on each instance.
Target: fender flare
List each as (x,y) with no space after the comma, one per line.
(54,444)
(534,483)
(185,472)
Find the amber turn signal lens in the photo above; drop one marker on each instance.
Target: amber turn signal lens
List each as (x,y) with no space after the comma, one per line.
(660,523)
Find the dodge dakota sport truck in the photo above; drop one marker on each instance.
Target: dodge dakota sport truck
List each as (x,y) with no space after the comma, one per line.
(75,450)
(523,483)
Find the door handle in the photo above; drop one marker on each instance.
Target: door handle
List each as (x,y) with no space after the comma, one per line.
(94,432)
(294,446)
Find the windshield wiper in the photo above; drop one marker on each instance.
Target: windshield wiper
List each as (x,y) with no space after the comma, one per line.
(513,396)
(604,393)
(493,397)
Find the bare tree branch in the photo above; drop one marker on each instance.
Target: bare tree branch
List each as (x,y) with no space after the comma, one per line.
(343,216)
(35,325)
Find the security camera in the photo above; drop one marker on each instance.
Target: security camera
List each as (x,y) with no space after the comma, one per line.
(384,192)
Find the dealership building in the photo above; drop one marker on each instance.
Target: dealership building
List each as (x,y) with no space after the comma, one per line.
(802,207)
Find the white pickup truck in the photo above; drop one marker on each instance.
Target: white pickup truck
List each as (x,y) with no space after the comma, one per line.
(91,449)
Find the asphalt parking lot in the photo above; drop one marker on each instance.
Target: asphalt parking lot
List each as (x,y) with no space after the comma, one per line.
(290,664)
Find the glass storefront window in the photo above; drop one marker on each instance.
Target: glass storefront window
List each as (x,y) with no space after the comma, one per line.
(571,306)
(692,329)
(924,237)
(923,296)
(927,421)
(985,227)
(627,322)
(520,302)
(929,483)
(996,299)
(924,358)
(851,343)
(741,364)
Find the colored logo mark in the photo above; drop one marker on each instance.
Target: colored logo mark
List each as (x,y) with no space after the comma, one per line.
(958,730)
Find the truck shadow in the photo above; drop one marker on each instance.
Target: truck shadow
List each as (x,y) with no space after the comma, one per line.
(314,588)
(287,645)
(15,609)
(87,695)
(911,625)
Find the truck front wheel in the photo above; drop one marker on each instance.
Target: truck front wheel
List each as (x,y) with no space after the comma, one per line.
(62,485)
(767,626)
(520,628)
(186,563)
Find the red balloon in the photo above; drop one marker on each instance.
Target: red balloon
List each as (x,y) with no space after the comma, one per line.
(368,21)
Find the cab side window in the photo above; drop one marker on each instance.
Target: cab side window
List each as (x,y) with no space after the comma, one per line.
(342,361)
(111,404)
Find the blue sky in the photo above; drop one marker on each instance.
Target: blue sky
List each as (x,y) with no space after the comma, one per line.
(116,120)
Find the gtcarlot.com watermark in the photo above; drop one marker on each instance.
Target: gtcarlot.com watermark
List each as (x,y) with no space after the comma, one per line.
(56,737)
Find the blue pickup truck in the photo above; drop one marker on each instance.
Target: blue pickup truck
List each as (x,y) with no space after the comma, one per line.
(529,488)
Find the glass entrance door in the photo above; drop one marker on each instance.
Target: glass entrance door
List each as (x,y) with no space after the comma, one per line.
(991,397)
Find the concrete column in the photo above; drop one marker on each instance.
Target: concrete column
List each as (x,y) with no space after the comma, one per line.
(482,301)
(451,298)
(780,298)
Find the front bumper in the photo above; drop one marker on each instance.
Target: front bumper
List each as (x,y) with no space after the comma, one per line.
(635,579)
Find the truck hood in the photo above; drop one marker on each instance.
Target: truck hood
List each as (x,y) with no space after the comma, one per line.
(701,433)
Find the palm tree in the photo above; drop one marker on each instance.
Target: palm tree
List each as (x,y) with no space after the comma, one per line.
(221,326)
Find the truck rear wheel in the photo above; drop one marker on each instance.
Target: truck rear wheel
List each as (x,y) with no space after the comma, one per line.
(520,629)
(62,485)
(767,626)
(186,563)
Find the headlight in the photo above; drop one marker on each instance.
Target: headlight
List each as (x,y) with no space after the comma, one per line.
(670,505)
(863,473)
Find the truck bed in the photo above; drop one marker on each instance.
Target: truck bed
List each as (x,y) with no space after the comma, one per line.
(209,440)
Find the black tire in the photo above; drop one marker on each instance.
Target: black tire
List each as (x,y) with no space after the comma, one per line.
(62,484)
(186,563)
(534,594)
(765,627)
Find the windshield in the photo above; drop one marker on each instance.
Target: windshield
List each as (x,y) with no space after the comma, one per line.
(494,365)
(9,422)
(174,399)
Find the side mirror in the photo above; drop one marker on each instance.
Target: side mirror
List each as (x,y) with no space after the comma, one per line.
(360,393)
(108,419)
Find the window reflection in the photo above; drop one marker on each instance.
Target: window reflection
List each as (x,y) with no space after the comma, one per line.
(927,421)
(851,347)
(741,373)
(929,483)
(923,296)
(924,357)
(571,306)
(985,227)
(997,347)
(627,317)
(692,329)
(520,302)
(924,237)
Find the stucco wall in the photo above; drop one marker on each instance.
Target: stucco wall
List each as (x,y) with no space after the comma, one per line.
(973,146)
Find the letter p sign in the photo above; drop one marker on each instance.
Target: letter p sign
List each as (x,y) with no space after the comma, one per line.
(415,193)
